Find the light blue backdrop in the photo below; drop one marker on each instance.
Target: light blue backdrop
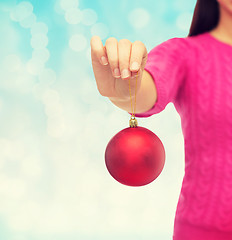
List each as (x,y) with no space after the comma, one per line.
(54,125)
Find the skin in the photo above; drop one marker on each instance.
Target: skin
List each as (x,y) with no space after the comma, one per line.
(223,31)
(123,59)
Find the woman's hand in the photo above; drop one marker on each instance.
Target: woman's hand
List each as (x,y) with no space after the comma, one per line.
(116,62)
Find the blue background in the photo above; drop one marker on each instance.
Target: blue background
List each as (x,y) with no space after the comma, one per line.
(55,125)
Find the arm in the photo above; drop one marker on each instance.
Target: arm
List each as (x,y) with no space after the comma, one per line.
(145,98)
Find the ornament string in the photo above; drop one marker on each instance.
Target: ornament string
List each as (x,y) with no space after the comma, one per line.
(133,121)
(133,114)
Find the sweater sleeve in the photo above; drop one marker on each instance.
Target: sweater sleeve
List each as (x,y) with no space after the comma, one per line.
(167,65)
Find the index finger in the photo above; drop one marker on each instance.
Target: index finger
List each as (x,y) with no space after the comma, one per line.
(97,50)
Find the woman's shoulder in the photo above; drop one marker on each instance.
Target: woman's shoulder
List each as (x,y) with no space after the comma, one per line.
(188,43)
(180,48)
(196,42)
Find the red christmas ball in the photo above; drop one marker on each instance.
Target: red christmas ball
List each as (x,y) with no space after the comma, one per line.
(135,156)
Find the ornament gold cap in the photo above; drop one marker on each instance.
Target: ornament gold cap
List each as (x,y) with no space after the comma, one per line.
(133,122)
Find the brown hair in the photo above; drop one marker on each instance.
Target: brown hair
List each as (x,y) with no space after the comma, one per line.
(205,17)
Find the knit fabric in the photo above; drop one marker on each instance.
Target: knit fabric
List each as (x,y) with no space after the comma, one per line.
(195,74)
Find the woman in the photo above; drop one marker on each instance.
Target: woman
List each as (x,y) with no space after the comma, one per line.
(195,73)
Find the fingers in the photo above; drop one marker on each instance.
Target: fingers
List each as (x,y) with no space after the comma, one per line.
(124,52)
(98,51)
(111,47)
(138,57)
(125,59)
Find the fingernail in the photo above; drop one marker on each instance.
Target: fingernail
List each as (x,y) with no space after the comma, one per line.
(134,66)
(125,73)
(117,73)
(104,60)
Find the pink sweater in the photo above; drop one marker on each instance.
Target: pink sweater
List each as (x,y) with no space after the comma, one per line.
(195,74)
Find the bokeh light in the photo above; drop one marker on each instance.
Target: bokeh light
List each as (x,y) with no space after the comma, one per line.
(21,11)
(67,4)
(34,66)
(139,18)
(28,21)
(89,17)
(39,41)
(73,15)
(41,55)
(78,42)
(100,29)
